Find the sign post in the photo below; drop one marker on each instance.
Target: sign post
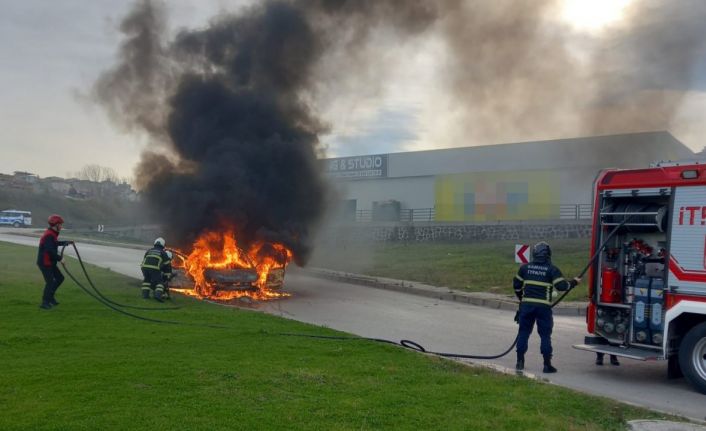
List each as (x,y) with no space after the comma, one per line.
(522,253)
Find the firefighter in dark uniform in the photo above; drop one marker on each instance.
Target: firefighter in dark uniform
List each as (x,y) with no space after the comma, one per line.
(167,273)
(47,259)
(534,285)
(152,265)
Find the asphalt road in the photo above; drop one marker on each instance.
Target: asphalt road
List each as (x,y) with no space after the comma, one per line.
(449,327)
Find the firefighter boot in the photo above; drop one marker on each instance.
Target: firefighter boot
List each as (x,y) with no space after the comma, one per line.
(599,358)
(614,360)
(520,365)
(52,298)
(548,365)
(45,306)
(146,293)
(158,292)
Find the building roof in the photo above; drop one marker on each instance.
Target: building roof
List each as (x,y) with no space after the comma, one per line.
(629,150)
(619,151)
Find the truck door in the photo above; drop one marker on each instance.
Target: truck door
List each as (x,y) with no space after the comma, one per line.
(687,260)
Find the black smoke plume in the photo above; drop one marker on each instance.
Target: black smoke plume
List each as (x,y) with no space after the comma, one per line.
(228,110)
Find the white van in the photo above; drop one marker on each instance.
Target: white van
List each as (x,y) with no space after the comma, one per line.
(16,218)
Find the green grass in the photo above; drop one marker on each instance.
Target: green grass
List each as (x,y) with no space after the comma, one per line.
(82,366)
(477,267)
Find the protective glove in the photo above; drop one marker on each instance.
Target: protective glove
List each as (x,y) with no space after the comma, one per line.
(574,282)
(517,316)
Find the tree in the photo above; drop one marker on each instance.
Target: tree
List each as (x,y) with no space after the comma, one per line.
(98,174)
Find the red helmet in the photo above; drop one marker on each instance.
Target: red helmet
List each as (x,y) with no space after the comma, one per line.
(55,219)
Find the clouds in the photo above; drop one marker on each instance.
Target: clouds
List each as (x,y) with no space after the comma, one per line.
(50,52)
(418,93)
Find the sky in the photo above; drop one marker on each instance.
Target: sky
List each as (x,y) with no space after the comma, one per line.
(51,53)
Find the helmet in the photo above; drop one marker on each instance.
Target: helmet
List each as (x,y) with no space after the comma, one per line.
(169,254)
(159,241)
(55,219)
(541,250)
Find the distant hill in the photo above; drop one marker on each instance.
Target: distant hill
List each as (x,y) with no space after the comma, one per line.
(78,213)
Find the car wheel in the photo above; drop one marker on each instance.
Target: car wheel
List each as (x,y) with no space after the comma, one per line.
(692,357)
(16,224)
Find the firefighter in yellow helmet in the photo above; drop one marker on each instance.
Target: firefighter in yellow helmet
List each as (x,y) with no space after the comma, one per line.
(152,265)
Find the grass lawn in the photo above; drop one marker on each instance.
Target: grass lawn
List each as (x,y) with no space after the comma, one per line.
(478,267)
(82,366)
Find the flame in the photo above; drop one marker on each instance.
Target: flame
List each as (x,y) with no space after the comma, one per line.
(220,251)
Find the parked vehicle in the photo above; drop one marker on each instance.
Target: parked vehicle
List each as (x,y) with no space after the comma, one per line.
(16,218)
(647,290)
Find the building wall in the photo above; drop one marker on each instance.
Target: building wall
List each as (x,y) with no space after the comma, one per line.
(412,192)
(527,181)
(479,196)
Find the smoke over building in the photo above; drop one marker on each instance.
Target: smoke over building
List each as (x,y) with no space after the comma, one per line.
(233,110)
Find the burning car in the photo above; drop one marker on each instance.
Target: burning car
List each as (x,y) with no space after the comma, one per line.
(217,268)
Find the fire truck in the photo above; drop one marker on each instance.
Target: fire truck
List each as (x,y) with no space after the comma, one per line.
(647,287)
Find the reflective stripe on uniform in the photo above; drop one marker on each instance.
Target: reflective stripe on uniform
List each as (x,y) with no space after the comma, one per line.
(517,276)
(538,283)
(537,300)
(152,260)
(558,280)
(547,291)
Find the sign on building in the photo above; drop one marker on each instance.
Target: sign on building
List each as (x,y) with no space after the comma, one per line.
(357,167)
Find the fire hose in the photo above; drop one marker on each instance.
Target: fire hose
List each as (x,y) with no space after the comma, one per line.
(96,290)
(409,344)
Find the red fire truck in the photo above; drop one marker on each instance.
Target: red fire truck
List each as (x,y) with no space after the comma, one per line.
(647,287)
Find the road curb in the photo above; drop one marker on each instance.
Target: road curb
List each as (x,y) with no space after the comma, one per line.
(481,299)
(654,425)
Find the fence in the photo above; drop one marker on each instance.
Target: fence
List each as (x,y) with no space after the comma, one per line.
(566,212)
(575,212)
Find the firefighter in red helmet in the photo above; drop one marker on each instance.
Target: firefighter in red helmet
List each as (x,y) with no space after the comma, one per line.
(47,259)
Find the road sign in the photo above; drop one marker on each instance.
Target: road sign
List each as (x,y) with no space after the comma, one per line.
(522,253)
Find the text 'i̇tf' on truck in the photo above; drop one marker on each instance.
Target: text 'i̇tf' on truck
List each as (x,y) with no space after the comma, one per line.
(647,289)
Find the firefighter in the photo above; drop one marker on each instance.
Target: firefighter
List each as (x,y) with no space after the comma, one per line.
(47,259)
(151,266)
(534,285)
(167,273)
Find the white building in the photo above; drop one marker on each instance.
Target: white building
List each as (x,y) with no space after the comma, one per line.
(542,180)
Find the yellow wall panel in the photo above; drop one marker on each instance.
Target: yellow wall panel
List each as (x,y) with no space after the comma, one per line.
(496,196)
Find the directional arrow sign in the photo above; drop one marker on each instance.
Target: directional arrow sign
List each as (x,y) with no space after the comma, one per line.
(522,253)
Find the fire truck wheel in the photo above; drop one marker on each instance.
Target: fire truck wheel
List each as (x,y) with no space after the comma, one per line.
(692,357)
